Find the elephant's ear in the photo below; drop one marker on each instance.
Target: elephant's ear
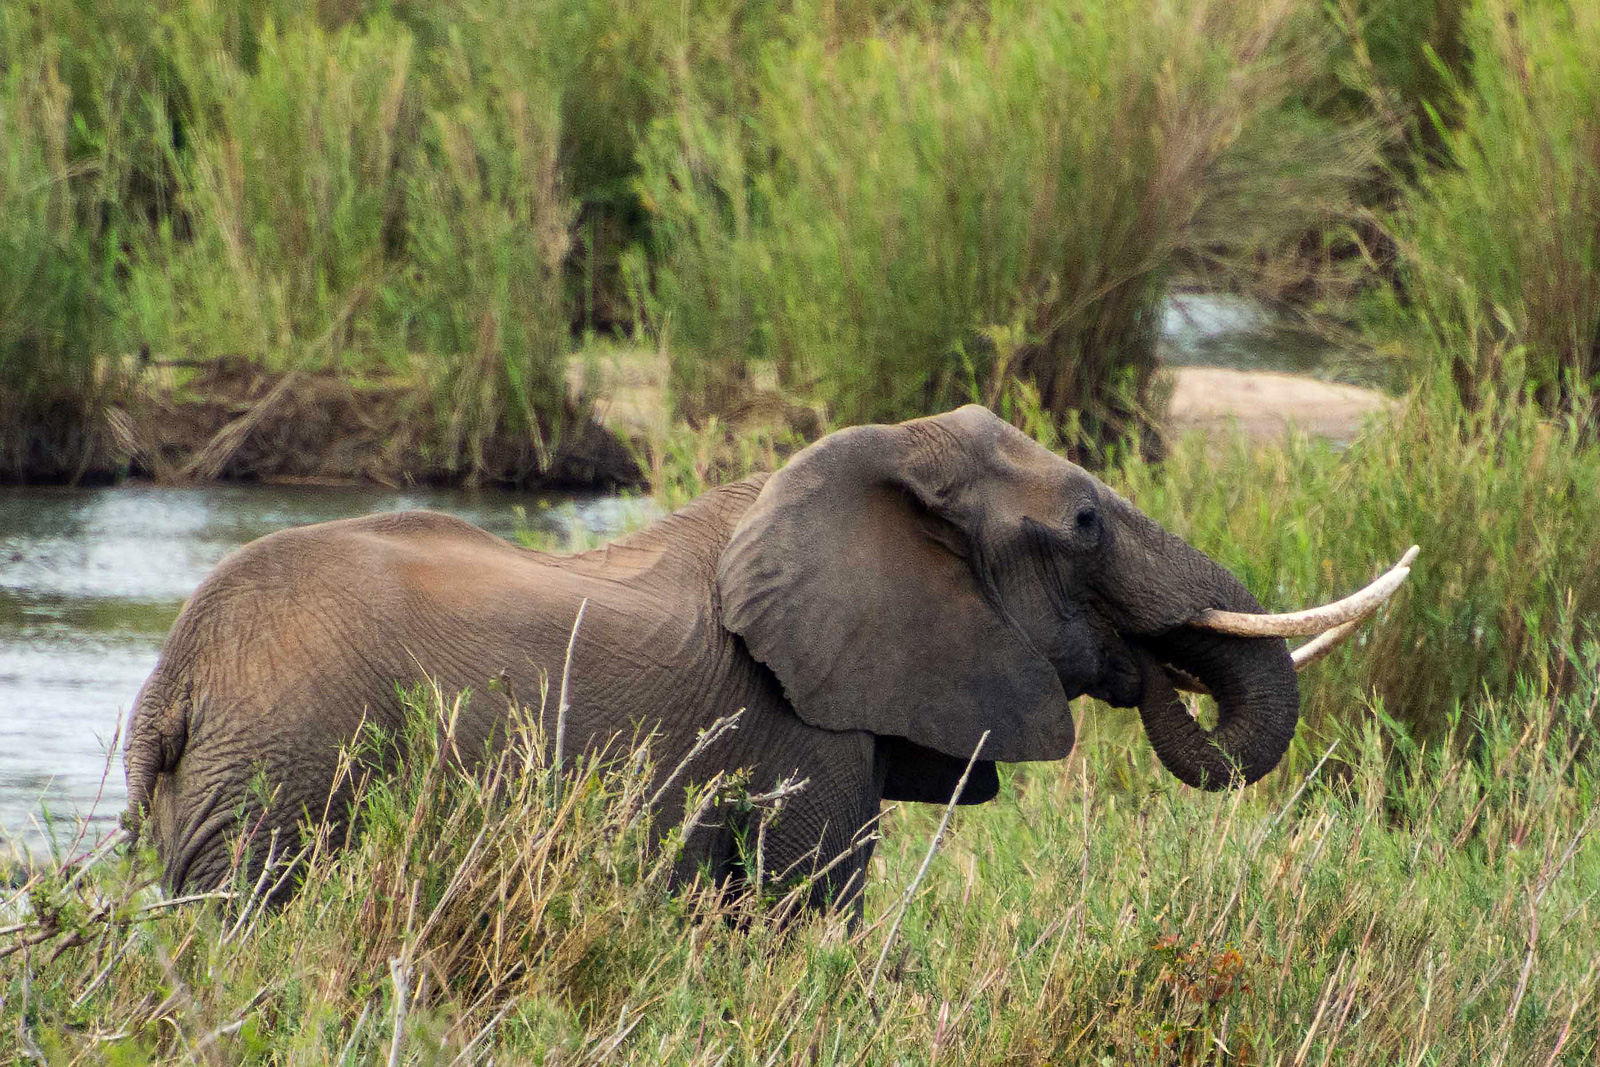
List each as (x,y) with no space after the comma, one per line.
(913,772)
(849,578)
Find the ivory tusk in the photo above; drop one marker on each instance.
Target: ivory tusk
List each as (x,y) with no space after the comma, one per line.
(1322,644)
(1352,608)
(1303,657)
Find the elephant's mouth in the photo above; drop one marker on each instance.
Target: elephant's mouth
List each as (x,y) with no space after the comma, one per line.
(1121,680)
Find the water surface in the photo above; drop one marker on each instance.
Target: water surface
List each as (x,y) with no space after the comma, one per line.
(1238,333)
(90,581)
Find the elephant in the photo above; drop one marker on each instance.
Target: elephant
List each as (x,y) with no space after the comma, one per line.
(886,600)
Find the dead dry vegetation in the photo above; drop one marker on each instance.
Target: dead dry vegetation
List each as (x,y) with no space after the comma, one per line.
(1098,912)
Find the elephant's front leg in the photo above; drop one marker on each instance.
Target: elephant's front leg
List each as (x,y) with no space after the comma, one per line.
(813,824)
(806,820)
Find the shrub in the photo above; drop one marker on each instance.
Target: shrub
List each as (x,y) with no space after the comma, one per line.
(1501,249)
(1401,62)
(58,253)
(922,217)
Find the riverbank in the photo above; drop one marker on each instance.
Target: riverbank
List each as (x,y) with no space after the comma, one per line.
(230,420)
(1266,406)
(227,420)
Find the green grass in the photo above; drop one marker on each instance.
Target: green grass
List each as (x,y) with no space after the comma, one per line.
(1500,252)
(1097,912)
(291,188)
(1414,884)
(922,217)
(275,249)
(487,232)
(55,262)
(897,207)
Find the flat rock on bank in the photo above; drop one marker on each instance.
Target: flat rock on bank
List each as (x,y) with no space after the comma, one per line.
(1265,405)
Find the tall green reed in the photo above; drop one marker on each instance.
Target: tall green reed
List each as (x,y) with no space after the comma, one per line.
(59,196)
(487,228)
(927,215)
(1500,251)
(286,190)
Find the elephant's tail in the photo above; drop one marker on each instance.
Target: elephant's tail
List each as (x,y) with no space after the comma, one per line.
(157,734)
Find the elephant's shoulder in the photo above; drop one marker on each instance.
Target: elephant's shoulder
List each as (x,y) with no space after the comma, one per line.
(713,514)
(687,542)
(402,524)
(372,536)
(346,550)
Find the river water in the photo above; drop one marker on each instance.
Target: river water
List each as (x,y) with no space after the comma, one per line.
(91,579)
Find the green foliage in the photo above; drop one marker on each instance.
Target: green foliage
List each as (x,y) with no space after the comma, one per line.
(1401,61)
(1096,912)
(294,187)
(56,257)
(487,231)
(275,251)
(1500,249)
(887,206)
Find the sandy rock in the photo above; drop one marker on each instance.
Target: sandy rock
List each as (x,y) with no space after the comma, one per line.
(1265,404)
(632,386)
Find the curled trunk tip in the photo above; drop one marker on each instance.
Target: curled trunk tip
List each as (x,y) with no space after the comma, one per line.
(1258,703)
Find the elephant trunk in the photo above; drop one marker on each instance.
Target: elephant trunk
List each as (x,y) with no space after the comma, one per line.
(1258,705)
(1157,590)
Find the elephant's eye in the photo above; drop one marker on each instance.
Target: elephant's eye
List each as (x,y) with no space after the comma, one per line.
(1086,518)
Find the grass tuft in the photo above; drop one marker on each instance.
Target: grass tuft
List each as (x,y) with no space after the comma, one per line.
(915,218)
(1097,910)
(1500,249)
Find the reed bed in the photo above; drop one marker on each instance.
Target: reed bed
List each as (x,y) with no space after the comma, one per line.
(1499,251)
(1096,911)
(923,216)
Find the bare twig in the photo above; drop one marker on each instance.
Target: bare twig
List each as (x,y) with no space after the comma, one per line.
(94,983)
(562,705)
(256,890)
(401,975)
(1522,981)
(111,841)
(787,1034)
(707,738)
(933,846)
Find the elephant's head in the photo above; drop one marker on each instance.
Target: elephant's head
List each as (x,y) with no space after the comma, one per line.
(946,576)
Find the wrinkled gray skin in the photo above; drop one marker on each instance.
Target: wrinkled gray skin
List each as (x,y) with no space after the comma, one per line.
(875,606)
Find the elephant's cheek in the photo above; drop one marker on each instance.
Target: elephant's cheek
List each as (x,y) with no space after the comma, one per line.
(1121,682)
